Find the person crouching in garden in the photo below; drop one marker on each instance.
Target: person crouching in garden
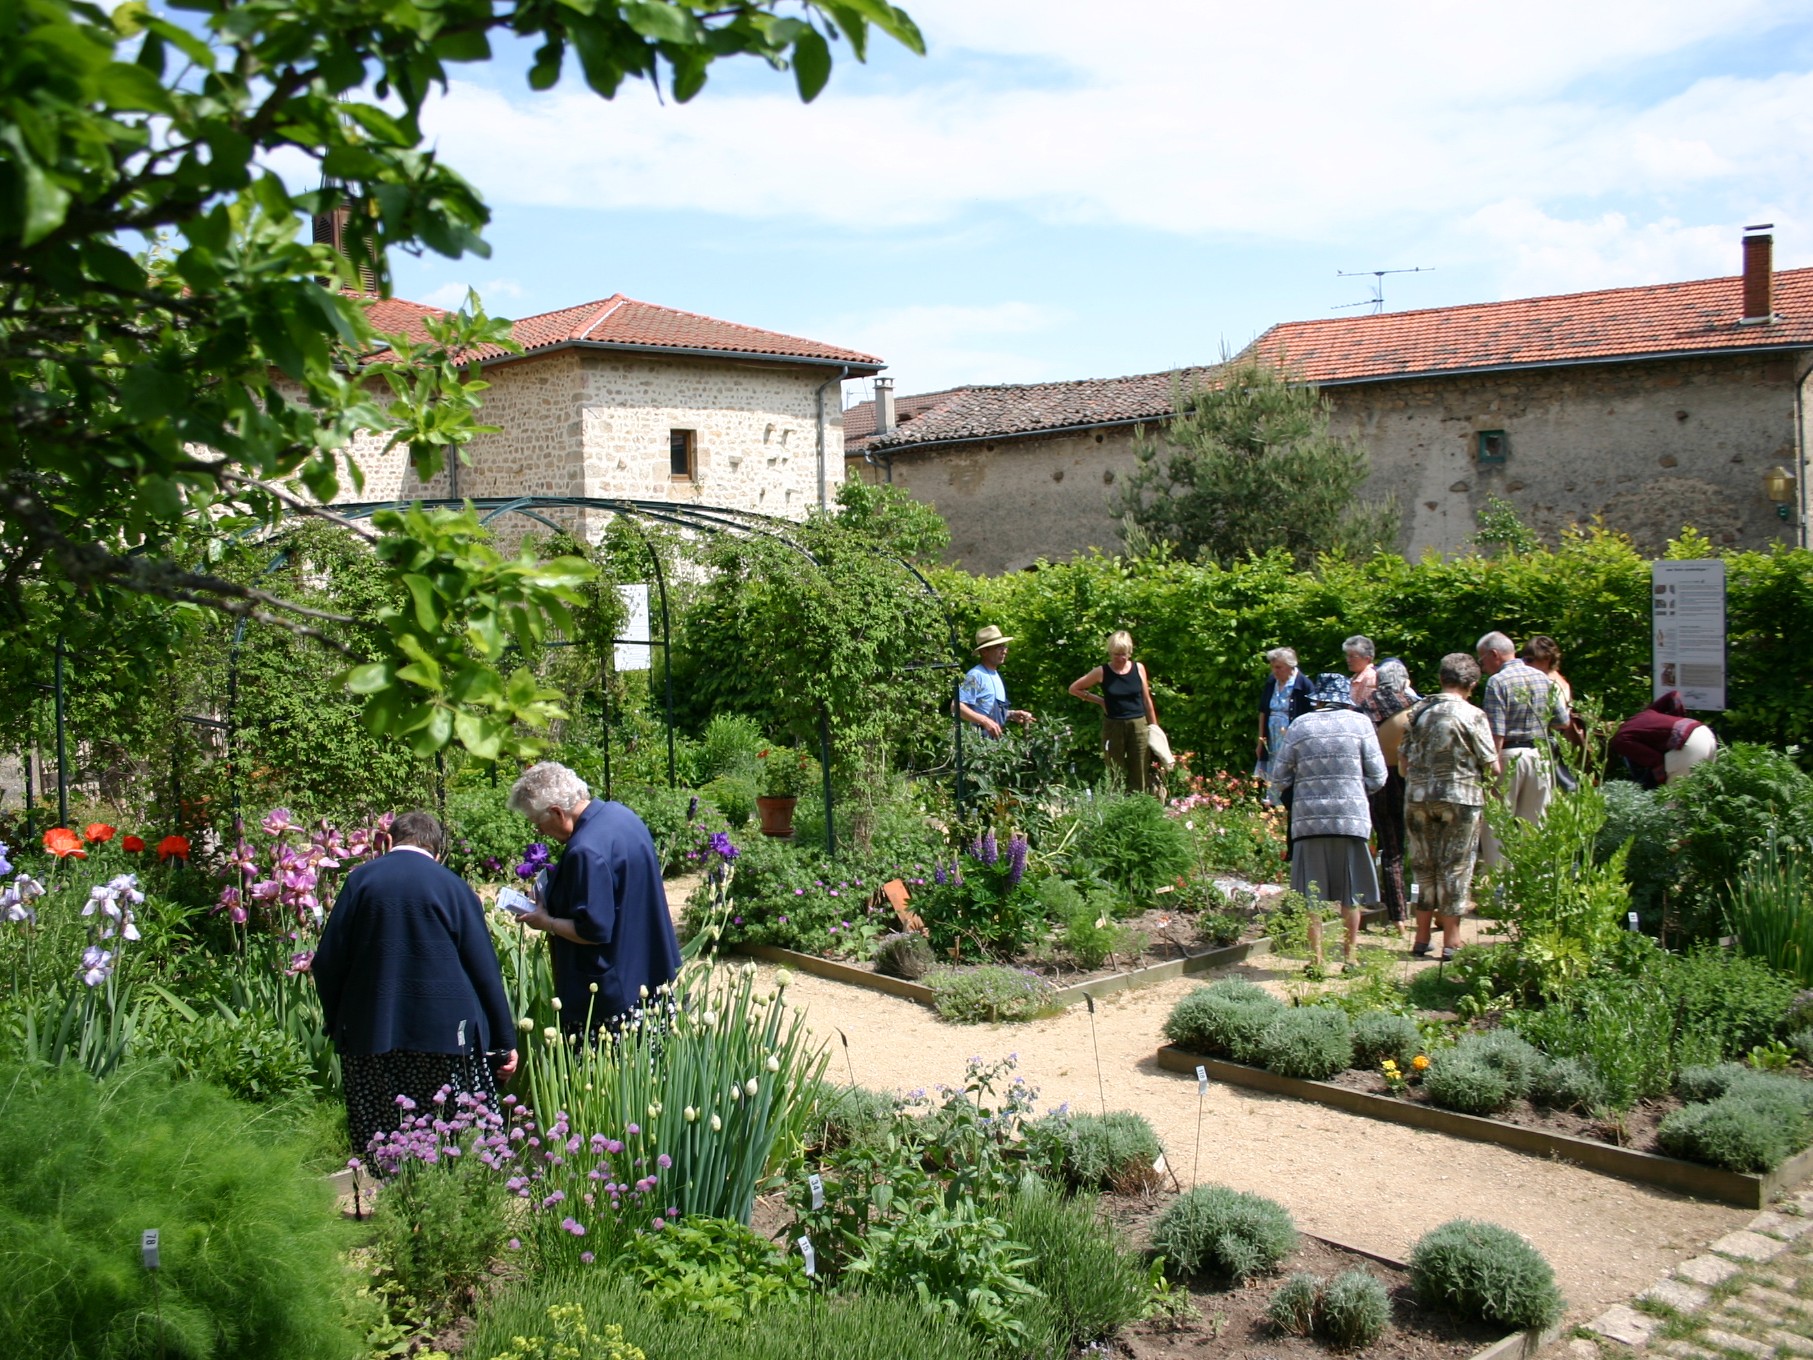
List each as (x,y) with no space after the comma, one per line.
(1389,709)
(605,910)
(1449,759)
(1329,763)
(1127,712)
(410,987)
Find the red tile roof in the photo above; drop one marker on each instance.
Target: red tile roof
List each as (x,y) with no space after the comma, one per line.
(1613,324)
(623,323)
(965,413)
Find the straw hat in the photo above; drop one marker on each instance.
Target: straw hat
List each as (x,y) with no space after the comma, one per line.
(991,636)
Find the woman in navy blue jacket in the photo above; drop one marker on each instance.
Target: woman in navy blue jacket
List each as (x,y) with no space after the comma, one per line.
(1283,699)
(410,988)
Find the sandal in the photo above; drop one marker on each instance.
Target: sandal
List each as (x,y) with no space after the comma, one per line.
(1420,950)
(1447,956)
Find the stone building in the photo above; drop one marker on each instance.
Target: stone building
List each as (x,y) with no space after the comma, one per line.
(625,399)
(1644,408)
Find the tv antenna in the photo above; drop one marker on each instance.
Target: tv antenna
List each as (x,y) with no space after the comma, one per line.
(1377,300)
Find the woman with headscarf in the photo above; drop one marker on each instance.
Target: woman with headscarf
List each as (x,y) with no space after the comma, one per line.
(1662,743)
(1389,708)
(1282,698)
(1329,763)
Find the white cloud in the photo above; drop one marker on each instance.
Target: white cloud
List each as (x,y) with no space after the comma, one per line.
(452,296)
(929,347)
(1292,122)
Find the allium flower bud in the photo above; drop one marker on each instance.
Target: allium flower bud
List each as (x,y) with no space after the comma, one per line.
(751,1086)
(716,1124)
(773,1064)
(782,977)
(550,1034)
(691,1114)
(592,987)
(642,992)
(556,1003)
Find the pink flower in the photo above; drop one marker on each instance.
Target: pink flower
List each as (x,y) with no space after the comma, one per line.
(573,1226)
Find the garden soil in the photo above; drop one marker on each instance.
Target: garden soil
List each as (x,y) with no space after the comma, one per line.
(1353,1180)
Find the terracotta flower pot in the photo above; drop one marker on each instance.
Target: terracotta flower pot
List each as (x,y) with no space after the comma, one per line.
(776,814)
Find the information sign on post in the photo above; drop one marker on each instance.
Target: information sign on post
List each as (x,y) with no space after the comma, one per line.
(632,648)
(1687,631)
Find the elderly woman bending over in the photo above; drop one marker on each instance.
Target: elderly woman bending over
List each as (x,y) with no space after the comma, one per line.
(605,911)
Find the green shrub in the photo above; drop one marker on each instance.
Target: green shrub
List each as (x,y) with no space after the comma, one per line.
(734,798)
(437,1228)
(1733,1132)
(1292,1307)
(1225,1018)
(1703,1082)
(1649,824)
(730,747)
(1353,1310)
(247,1054)
(1484,1272)
(1219,929)
(1460,1079)
(484,838)
(1378,1035)
(1569,1084)
(1748,795)
(973,996)
(1732,1001)
(1309,1042)
(1135,846)
(854,1115)
(903,954)
(1801,1041)
(250,1246)
(713,1267)
(1508,1052)
(1093,1284)
(1114,1151)
(851,1327)
(1215,1228)
(959,1262)
(1090,933)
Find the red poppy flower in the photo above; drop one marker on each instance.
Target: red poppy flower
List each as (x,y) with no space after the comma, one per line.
(64,843)
(97,832)
(133,845)
(173,847)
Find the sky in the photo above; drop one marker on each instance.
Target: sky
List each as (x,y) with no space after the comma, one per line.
(1065,190)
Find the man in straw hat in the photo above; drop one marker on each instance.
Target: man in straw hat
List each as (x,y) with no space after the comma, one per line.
(983,698)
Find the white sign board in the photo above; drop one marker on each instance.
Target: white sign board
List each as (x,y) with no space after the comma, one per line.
(1687,621)
(633,655)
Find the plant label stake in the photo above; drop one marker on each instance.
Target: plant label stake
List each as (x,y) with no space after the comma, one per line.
(811,1257)
(1202,1094)
(847,1061)
(147,1247)
(1633,922)
(1096,1044)
(816,1183)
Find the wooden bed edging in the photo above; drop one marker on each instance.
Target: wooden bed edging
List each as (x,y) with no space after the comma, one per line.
(838,971)
(1746,1190)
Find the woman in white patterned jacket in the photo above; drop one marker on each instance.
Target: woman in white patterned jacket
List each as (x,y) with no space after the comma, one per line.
(1329,763)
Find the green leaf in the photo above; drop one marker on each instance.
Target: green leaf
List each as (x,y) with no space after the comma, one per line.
(422,593)
(811,63)
(371,678)
(483,739)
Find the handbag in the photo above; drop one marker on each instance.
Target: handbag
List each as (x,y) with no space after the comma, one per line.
(1160,745)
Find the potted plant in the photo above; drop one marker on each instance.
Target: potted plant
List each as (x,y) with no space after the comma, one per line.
(785,773)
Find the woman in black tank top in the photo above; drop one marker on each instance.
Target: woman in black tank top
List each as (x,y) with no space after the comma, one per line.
(1127,712)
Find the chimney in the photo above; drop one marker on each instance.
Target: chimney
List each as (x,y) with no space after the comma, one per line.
(884,406)
(1759,275)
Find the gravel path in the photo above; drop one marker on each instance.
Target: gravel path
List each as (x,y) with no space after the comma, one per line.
(1371,1185)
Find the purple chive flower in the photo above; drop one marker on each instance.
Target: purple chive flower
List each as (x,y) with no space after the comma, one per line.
(573,1226)
(586,1258)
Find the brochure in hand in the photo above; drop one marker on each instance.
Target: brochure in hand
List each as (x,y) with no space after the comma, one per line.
(513,901)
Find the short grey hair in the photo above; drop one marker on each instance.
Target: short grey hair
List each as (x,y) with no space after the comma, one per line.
(1497,644)
(1285,654)
(1460,670)
(547,785)
(1359,645)
(1394,675)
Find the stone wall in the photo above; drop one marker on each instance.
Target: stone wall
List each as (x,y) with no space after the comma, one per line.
(1010,502)
(597,423)
(1645,447)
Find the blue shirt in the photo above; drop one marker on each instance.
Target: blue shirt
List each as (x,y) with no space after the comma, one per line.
(985,692)
(608,884)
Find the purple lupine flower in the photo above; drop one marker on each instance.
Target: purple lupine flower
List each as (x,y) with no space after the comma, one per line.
(938,875)
(1016,858)
(991,852)
(692,807)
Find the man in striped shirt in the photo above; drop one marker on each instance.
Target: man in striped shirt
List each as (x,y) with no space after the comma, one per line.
(1522,704)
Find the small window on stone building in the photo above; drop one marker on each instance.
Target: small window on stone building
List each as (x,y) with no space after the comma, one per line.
(682,448)
(1494,446)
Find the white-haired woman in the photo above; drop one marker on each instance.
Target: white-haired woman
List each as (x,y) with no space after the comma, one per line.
(1359,652)
(610,936)
(1283,698)
(1127,711)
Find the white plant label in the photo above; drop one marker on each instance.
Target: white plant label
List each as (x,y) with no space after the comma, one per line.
(811,1257)
(1633,920)
(816,1183)
(1161,1166)
(1202,1080)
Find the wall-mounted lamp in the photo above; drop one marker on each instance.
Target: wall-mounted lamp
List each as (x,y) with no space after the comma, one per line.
(1778,486)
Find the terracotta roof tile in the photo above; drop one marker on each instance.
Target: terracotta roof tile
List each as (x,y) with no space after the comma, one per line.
(621,321)
(964,413)
(1616,323)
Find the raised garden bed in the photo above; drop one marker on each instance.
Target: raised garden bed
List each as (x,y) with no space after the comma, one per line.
(1230,1316)
(1744,1189)
(1099,984)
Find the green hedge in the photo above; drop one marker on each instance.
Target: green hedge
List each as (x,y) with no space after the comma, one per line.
(1202,630)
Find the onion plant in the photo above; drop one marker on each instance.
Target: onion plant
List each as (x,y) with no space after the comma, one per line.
(1771,912)
(712,1073)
